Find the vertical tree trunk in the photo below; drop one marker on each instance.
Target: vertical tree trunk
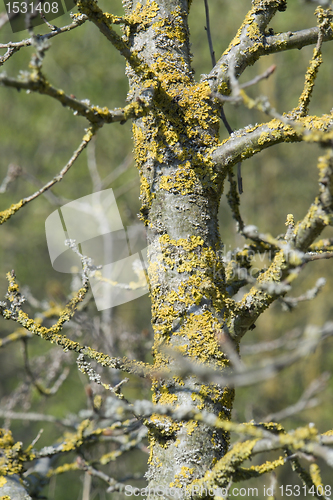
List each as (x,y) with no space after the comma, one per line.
(180,193)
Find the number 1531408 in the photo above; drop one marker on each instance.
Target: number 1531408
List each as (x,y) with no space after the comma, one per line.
(32,7)
(296,490)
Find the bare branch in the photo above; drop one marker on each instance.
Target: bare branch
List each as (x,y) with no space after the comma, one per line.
(20,334)
(6,214)
(45,391)
(252,41)
(114,485)
(236,87)
(245,143)
(95,114)
(4,18)
(36,417)
(209,34)
(13,173)
(266,74)
(53,334)
(13,47)
(291,302)
(307,400)
(222,114)
(288,341)
(242,375)
(103,22)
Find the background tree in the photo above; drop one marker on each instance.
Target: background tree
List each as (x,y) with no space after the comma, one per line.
(203,299)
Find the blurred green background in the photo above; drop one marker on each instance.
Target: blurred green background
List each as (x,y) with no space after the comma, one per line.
(39,136)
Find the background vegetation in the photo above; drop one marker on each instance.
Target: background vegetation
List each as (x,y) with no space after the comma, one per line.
(39,136)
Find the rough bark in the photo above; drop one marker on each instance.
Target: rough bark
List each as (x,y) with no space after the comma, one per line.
(180,193)
(182,168)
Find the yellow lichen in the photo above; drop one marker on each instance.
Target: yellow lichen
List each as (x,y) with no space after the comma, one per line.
(142,15)
(190,426)
(316,476)
(185,473)
(166,397)
(6,214)
(290,220)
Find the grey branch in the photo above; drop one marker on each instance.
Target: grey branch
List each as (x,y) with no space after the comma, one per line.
(103,23)
(94,114)
(307,400)
(114,485)
(242,375)
(250,140)
(36,417)
(291,302)
(247,48)
(14,208)
(13,47)
(14,489)
(287,341)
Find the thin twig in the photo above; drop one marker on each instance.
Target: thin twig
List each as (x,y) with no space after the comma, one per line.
(40,388)
(6,214)
(114,485)
(291,302)
(123,167)
(13,47)
(222,113)
(209,34)
(94,114)
(49,25)
(35,417)
(13,173)
(307,400)
(258,78)
(78,20)
(289,341)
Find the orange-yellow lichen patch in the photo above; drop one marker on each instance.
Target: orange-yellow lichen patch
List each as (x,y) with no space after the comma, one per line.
(166,397)
(183,180)
(191,426)
(6,214)
(143,15)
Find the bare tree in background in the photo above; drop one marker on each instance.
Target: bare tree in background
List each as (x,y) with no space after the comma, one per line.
(198,323)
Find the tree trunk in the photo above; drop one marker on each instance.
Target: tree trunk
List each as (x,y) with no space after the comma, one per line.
(180,193)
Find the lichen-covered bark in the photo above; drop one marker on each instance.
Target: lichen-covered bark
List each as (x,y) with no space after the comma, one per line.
(182,168)
(180,192)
